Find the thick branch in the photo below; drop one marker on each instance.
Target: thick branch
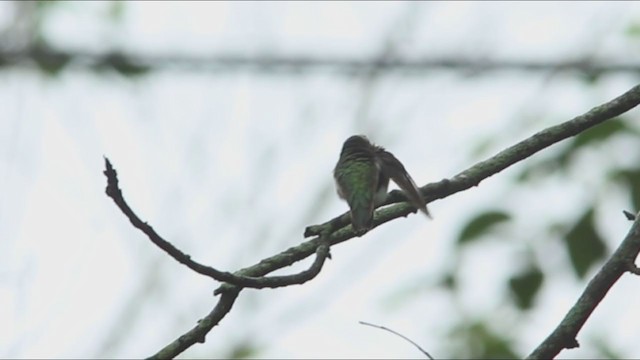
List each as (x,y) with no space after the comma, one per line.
(228,297)
(464,180)
(198,333)
(622,260)
(484,169)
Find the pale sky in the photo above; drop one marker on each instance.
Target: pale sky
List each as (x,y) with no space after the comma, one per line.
(231,166)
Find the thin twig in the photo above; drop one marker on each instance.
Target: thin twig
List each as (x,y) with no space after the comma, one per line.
(397,333)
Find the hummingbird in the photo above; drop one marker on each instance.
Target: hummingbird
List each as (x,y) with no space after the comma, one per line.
(362,177)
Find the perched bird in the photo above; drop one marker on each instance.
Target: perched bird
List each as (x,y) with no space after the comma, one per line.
(362,177)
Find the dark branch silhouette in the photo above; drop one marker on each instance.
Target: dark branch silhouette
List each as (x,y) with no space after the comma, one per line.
(114,192)
(200,331)
(621,261)
(484,169)
(338,230)
(132,63)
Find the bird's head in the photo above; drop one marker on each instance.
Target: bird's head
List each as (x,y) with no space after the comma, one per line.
(357,143)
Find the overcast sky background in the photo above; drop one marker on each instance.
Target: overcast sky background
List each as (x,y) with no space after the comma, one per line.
(230,166)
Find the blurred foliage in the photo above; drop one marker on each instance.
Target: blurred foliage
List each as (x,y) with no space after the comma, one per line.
(600,133)
(525,285)
(630,178)
(52,60)
(476,340)
(633,30)
(116,10)
(481,225)
(605,349)
(562,159)
(580,236)
(473,338)
(49,61)
(243,350)
(449,281)
(584,244)
(123,65)
(44,4)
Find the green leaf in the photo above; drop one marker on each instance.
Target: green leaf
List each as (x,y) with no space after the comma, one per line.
(449,281)
(243,350)
(482,225)
(630,178)
(116,10)
(124,65)
(584,244)
(476,340)
(525,286)
(606,350)
(47,4)
(600,133)
(564,155)
(48,60)
(633,30)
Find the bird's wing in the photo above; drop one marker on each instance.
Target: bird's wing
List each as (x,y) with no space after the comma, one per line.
(394,169)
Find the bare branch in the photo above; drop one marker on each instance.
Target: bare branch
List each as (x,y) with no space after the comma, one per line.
(484,169)
(322,252)
(56,58)
(564,336)
(402,336)
(114,192)
(200,331)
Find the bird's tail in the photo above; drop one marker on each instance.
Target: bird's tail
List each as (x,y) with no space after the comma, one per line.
(361,217)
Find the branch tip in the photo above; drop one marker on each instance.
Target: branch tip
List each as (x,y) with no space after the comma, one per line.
(254,276)
(629,215)
(632,268)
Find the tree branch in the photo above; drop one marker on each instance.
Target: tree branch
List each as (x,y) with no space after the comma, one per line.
(50,58)
(484,169)
(199,332)
(327,236)
(464,180)
(564,336)
(114,192)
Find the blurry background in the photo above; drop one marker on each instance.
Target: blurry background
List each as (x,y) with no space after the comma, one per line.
(224,121)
